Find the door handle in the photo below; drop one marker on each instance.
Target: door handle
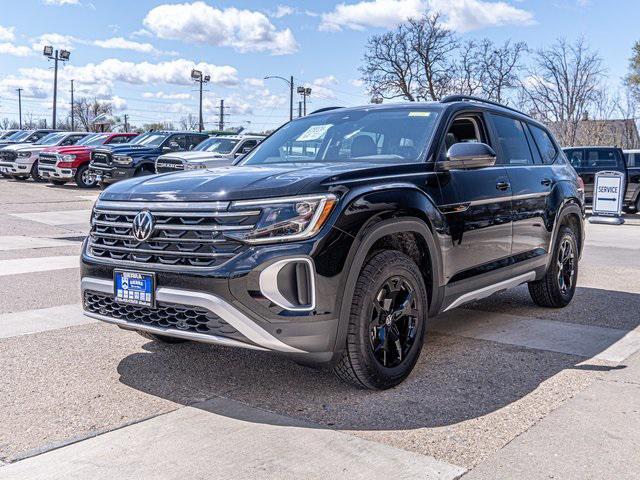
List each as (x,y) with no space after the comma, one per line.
(546,182)
(503,186)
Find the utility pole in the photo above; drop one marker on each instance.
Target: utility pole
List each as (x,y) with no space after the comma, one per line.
(56,56)
(221,121)
(290,83)
(197,76)
(126,123)
(73,125)
(299,109)
(20,107)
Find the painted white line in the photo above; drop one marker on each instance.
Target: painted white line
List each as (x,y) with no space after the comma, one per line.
(92,198)
(222,438)
(23,242)
(41,320)
(18,266)
(64,217)
(584,340)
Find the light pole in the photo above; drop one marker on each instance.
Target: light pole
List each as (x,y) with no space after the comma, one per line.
(56,56)
(290,83)
(20,106)
(198,77)
(73,124)
(305,92)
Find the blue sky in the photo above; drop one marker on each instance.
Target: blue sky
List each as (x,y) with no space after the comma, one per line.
(139,53)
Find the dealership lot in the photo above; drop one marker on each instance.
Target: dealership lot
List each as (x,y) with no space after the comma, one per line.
(504,389)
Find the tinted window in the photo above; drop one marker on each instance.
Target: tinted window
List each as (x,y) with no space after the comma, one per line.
(194,140)
(120,139)
(391,135)
(547,148)
(218,145)
(50,139)
(247,145)
(513,141)
(72,139)
(575,157)
(150,139)
(37,136)
(632,159)
(601,158)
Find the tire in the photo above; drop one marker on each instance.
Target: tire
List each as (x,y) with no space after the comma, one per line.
(58,183)
(142,172)
(34,173)
(372,359)
(20,177)
(557,287)
(162,338)
(82,177)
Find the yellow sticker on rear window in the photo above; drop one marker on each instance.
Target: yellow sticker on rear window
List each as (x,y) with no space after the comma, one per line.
(419,114)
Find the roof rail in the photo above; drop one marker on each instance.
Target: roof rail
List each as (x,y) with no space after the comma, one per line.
(325,109)
(471,98)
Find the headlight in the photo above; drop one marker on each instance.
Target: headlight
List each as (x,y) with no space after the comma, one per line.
(24,154)
(195,166)
(122,160)
(68,158)
(285,219)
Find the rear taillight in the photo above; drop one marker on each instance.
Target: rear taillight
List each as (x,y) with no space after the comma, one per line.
(580,184)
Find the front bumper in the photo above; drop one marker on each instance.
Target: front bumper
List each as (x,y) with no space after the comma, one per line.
(15,168)
(111,174)
(53,172)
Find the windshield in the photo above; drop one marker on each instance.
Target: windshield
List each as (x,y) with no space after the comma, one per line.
(20,135)
(385,136)
(218,145)
(7,134)
(93,140)
(51,139)
(149,139)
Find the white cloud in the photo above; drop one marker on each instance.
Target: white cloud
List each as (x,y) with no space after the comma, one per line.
(244,30)
(32,87)
(16,50)
(459,15)
(6,34)
(65,42)
(254,82)
(124,44)
(168,96)
(356,82)
(325,81)
(118,103)
(283,11)
(62,2)
(141,33)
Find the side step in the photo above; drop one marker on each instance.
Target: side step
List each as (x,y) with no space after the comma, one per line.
(484,292)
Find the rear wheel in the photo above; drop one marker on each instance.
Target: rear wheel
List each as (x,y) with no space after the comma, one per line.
(557,287)
(162,338)
(386,323)
(83,177)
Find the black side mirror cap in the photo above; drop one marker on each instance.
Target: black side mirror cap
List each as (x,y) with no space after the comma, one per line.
(468,155)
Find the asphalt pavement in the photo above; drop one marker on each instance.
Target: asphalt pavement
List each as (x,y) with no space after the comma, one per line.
(503,389)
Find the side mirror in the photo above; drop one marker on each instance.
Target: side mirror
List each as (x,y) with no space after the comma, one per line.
(247,149)
(468,156)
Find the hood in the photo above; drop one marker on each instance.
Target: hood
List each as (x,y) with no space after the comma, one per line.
(22,147)
(193,156)
(231,183)
(126,149)
(68,150)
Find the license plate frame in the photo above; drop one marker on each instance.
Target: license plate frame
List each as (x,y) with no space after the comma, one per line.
(140,289)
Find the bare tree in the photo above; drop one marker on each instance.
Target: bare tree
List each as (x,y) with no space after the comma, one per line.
(5,123)
(499,67)
(390,67)
(158,126)
(190,122)
(563,83)
(434,45)
(633,78)
(86,111)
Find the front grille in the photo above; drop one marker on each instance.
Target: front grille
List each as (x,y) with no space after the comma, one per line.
(166,165)
(8,156)
(101,157)
(183,234)
(47,159)
(164,315)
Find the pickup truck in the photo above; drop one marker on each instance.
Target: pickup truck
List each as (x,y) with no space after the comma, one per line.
(588,161)
(213,152)
(68,163)
(25,136)
(137,158)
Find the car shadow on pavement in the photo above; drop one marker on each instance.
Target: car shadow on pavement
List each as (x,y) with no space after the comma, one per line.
(456,378)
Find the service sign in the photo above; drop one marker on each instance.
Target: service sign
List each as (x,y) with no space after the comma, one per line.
(608,193)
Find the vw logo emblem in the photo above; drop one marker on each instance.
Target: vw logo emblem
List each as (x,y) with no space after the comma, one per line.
(142,227)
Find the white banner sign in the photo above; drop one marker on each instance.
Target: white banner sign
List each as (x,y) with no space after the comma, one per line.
(608,193)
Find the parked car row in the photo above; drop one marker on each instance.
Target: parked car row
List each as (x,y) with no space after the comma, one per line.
(89,159)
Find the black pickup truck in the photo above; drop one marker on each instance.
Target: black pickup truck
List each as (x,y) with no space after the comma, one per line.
(590,160)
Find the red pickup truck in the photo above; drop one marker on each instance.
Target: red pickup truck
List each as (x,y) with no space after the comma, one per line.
(60,165)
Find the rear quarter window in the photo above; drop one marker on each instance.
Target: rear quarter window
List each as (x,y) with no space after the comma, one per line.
(546,146)
(602,158)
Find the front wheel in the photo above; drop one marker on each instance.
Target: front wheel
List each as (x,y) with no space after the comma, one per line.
(386,323)
(557,287)
(34,172)
(84,178)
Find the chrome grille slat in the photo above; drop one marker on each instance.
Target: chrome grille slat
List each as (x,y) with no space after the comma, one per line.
(187,234)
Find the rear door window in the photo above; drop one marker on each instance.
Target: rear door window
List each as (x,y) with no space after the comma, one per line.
(601,158)
(513,141)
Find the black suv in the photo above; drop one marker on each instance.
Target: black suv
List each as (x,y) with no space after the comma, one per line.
(110,164)
(340,235)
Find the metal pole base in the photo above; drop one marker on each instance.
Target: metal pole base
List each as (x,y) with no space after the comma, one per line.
(606,220)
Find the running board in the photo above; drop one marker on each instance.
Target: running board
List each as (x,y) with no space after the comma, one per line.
(484,292)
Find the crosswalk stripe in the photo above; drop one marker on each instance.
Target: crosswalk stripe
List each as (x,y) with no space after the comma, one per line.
(17,266)
(42,320)
(63,217)
(584,340)
(24,242)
